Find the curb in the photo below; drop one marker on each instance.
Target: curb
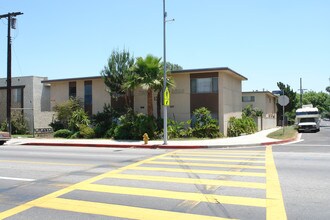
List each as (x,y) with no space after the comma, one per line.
(154,146)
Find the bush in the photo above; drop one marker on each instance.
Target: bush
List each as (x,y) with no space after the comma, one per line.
(78,117)
(203,125)
(238,126)
(132,126)
(175,129)
(105,122)
(63,133)
(86,132)
(18,123)
(64,113)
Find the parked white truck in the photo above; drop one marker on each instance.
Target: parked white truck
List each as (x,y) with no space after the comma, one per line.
(308,118)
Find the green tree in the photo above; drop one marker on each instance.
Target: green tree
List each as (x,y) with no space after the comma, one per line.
(147,72)
(328,89)
(290,109)
(320,100)
(117,73)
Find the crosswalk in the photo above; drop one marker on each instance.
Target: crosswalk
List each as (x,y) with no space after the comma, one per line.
(182,184)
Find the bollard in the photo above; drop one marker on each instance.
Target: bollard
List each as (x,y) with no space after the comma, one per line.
(145,138)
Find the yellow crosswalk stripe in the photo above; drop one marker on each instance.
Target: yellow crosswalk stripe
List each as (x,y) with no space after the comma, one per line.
(224,153)
(190,181)
(219,156)
(208,165)
(215,172)
(120,211)
(215,160)
(199,197)
(275,204)
(222,150)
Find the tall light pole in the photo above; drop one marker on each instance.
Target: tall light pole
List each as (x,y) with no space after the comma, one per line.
(165,77)
(164,83)
(11,24)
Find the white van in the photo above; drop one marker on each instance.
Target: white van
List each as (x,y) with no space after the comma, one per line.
(308,118)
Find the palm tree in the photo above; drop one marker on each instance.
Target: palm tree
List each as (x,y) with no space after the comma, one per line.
(146,75)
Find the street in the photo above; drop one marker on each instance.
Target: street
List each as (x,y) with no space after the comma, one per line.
(272,182)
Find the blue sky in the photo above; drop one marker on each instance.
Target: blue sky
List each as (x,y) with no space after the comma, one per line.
(267,41)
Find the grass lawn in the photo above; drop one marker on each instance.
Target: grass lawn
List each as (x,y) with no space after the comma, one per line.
(22,136)
(289,132)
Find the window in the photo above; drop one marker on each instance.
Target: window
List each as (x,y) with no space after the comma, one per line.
(72,89)
(204,85)
(88,99)
(17,96)
(248,99)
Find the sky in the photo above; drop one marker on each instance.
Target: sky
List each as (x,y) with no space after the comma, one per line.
(267,41)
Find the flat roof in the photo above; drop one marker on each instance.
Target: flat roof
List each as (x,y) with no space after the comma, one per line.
(260,92)
(209,70)
(71,79)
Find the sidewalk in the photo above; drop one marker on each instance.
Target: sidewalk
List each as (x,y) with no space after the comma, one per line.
(257,139)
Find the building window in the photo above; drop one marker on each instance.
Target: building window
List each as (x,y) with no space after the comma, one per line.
(17,97)
(88,100)
(248,99)
(72,89)
(204,85)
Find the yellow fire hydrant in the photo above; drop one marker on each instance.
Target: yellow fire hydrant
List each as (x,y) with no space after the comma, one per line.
(145,138)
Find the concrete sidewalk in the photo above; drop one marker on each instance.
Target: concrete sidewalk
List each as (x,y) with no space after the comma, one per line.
(257,139)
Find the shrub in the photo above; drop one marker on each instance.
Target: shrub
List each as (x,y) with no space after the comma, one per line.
(238,126)
(18,123)
(203,125)
(64,113)
(85,131)
(175,129)
(133,126)
(78,117)
(105,122)
(63,133)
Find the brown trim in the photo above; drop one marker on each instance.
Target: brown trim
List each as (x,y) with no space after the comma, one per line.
(204,75)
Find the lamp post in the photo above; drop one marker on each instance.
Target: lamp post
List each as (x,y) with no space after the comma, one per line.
(164,83)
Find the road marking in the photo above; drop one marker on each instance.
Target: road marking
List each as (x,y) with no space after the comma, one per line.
(46,198)
(190,181)
(233,200)
(208,165)
(46,163)
(219,156)
(275,204)
(17,179)
(224,153)
(127,212)
(215,172)
(215,160)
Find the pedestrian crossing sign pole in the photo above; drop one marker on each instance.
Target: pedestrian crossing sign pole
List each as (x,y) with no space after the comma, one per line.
(167,97)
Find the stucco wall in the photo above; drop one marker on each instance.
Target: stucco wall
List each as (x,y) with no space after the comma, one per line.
(180,99)
(230,96)
(60,93)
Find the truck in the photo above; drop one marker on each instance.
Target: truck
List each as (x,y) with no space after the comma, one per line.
(308,119)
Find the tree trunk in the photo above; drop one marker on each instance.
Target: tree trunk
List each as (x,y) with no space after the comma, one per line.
(150,102)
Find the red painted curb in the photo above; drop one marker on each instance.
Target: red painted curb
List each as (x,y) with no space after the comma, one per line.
(155,146)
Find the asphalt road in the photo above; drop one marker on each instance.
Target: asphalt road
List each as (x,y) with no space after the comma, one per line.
(273,182)
(304,172)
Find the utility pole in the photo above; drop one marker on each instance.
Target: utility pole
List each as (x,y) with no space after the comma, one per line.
(11,25)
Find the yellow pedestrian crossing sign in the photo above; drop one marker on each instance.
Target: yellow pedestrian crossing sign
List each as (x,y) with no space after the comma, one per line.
(167,97)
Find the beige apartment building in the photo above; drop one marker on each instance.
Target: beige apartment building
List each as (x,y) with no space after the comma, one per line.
(266,102)
(218,89)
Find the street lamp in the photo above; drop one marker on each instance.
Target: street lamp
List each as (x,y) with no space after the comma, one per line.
(165,77)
